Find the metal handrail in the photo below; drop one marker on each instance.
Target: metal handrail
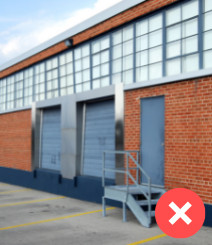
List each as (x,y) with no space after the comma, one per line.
(127,172)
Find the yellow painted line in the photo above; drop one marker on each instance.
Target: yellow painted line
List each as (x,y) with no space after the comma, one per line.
(28,202)
(20,190)
(148,239)
(53,219)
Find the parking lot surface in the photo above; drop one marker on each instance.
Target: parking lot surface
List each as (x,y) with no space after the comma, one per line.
(34,217)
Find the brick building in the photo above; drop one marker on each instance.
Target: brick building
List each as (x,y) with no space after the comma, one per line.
(137,76)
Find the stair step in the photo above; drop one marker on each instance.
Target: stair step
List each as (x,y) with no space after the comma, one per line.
(145,202)
(152,213)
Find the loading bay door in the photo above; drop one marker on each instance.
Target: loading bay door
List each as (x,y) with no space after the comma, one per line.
(51,139)
(99,135)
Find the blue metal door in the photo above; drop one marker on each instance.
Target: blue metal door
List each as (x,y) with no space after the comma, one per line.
(152,139)
(51,139)
(99,135)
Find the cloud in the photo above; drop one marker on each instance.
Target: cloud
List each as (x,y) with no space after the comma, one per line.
(30,33)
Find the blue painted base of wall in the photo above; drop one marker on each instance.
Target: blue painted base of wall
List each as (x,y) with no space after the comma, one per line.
(82,187)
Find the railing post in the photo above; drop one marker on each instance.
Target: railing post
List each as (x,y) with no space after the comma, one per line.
(103,170)
(137,172)
(149,201)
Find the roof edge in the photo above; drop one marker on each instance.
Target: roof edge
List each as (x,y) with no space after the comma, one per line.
(94,20)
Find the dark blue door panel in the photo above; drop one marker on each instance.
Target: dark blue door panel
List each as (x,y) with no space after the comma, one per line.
(51,139)
(152,139)
(99,136)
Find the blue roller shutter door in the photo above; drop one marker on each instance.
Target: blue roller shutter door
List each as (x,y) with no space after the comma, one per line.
(51,139)
(99,136)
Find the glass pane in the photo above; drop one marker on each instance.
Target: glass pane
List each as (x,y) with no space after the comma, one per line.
(105,69)
(63,92)
(128,48)
(142,74)
(78,65)
(96,46)
(142,58)
(117,37)
(208,21)
(86,63)
(141,28)
(49,65)
(96,72)
(173,33)
(190,28)
(128,77)
(173,49)
(155,71)
(104,56)
(208,59)
(54,63)
(54,74)
(70,90)
(173,16)
(207,40)
(117,78)
(78,88)
(78,77)
(142,43)
(117,66)
(208,5)
(155,38)
(96,59)
(85,50)
(63,82)
(155,55)
(105,43)
(69,57)
(117,51)
(62,71)
(128,62)
(190,9)
(128,33)
(42,67)
(155,22)
(191,63)
(105,82)
(86,75)
(69,68)
(49,75)
(42,88)
(86,86)
(70,80)
(96,84)
(190,45)
(173,67)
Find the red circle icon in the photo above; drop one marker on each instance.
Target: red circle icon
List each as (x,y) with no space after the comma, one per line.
(180,213)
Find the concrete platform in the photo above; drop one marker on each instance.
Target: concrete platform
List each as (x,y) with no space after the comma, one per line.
(33,217)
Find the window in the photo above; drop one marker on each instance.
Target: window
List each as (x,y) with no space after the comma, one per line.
(149,48)
(40,82)
(66,73)
(52,87)
(122,55)
(82,68)
(100,62)
(182,38)
(19,85)
(207,34)
(3,90)
(28,86)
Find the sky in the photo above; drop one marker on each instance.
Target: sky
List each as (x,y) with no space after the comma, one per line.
(24,24)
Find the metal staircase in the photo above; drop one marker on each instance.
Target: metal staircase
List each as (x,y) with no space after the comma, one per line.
(140,198)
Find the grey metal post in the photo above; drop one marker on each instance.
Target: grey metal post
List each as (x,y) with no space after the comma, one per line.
(124,212)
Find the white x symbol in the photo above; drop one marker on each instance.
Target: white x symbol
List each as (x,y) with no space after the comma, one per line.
(180,213)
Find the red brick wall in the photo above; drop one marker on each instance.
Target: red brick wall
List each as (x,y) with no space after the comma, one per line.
(122,18)
(15,140)
(188,132)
